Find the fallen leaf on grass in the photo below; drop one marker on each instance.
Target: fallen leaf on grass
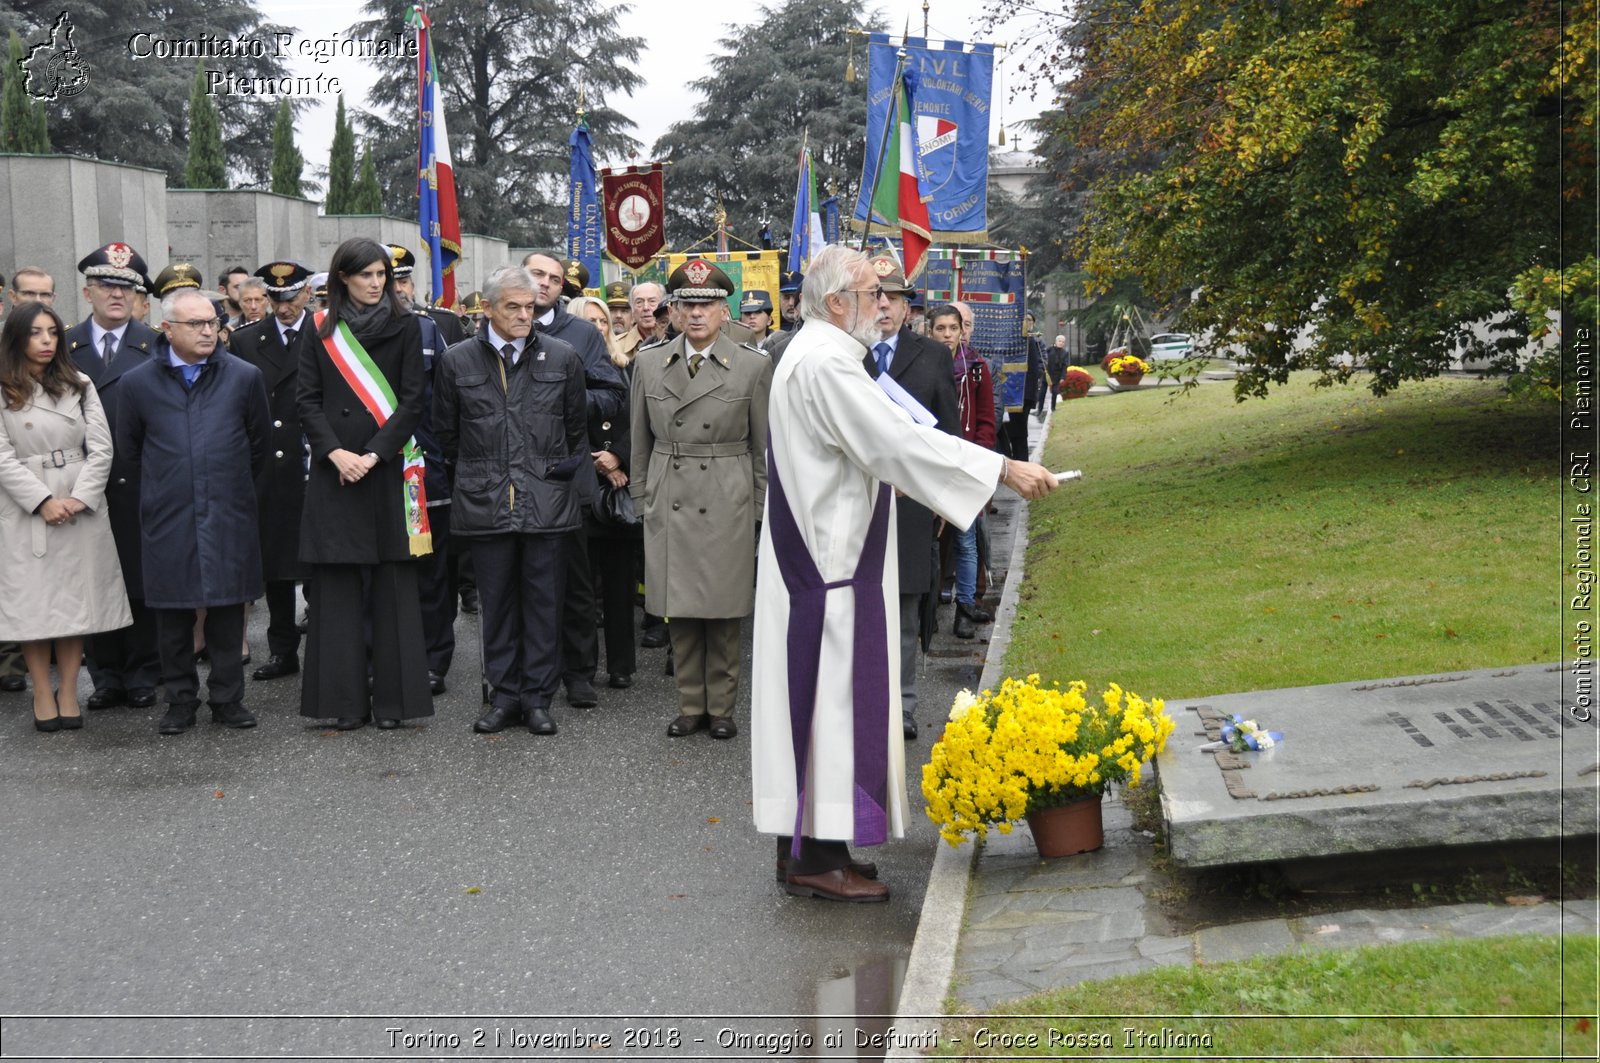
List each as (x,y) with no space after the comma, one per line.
(1582,1026)
(1449,633)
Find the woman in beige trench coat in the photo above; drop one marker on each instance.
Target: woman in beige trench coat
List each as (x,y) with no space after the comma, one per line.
(59,575)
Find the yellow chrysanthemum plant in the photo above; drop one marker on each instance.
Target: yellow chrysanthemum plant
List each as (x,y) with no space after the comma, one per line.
(1128,363)
(1031,747)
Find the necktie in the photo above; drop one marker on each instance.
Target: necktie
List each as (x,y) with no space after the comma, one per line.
(191,373)
(509,353)
(882,351)
(108,344)
(695,361)
(289,335)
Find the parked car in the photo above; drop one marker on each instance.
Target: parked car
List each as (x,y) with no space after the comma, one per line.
(1171,346)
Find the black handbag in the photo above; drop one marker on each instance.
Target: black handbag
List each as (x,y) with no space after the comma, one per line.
(613,506)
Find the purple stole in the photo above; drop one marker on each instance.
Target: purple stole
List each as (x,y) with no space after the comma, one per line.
(808,596)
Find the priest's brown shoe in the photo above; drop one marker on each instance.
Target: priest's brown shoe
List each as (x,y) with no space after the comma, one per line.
(864,868)
(840,884)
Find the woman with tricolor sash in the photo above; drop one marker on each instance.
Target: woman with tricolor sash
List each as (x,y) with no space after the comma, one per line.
(366,517)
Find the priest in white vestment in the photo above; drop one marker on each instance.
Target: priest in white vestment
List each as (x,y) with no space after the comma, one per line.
(826,667)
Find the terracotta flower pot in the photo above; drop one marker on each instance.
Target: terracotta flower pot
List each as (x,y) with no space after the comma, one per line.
(1129,380)
(1069,829)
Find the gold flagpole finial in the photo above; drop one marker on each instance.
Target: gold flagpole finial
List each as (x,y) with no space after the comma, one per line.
(924,19)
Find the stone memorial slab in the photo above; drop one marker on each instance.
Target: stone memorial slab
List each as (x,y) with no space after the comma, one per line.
(1460,759)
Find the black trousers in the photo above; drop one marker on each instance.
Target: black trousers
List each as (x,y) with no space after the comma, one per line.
(580,648)
(611,559)
(344,601)
(127,658)
(224,627)
(521,581)
(816,855)
(436,590)
(283,632)
(1014,436)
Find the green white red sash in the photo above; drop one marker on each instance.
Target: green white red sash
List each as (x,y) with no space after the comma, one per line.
(372,388)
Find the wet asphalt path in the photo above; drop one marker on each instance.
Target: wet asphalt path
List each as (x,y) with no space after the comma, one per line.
(295,870)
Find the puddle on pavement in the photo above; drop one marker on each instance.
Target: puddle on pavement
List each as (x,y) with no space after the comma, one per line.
(855,1011)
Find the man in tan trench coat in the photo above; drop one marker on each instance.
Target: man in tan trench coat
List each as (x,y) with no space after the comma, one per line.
(700,476)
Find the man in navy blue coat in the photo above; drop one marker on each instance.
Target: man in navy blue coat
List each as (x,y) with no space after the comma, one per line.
(196,423)
(608,406)
(105,347)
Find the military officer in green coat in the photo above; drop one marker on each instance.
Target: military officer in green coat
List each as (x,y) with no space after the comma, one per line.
(700,476)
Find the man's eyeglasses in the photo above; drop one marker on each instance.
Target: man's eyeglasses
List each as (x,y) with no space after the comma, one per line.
(876,293)
(210,324)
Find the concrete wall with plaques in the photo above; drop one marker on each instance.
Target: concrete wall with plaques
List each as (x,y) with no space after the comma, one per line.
(216,230)
(54,209)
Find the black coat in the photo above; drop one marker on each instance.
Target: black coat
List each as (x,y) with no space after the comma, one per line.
(922,367)
(281,487)
(139,344)
(517,435)
(362,523)
(199,452)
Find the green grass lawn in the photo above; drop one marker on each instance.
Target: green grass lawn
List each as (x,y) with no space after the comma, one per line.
(1511,998)
(1318,536)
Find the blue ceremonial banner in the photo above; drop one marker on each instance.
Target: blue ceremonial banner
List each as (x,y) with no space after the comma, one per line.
(993,284)
(830,220)
(951,90)
(585,229)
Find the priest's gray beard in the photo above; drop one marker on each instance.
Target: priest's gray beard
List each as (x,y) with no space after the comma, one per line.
(864,330)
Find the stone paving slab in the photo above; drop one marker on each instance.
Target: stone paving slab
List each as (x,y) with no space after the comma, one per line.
(1458,759)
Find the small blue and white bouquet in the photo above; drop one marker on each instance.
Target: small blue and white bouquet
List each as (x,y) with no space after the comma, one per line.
(1240,735)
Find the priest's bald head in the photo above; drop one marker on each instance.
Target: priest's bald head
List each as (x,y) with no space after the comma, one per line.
(842,288)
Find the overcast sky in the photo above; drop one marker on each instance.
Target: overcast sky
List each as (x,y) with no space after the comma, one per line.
(678,51)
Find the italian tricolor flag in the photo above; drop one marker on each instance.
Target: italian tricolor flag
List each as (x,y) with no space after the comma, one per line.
(899,197)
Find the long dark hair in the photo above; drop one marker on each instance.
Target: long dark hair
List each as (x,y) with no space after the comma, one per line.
(353,256)
(16,381)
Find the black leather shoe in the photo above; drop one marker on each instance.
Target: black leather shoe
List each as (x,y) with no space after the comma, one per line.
(687,725)
(277,667)
(497,719)
(620,680)
(435,684)
(142,697)
(13,684)
(910,728)
(580,695)
(962,628)
(351,723)
(178,719)
(540,722)
(233,714)
(976,613)
(388,723)
(724,727)
(469,600)
(107,699)
(654,639)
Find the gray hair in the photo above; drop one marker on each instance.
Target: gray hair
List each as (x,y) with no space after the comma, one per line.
(661,293)
(169,302)
(507,279)
(254,283)
(829,274)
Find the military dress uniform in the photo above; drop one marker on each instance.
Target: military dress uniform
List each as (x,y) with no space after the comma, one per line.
(124,664)
(275,349)
(699,473)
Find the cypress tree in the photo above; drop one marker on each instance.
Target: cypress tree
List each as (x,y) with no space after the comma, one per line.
(341,166)
(22,127)
(286,159)
(207,166)
(368,197)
